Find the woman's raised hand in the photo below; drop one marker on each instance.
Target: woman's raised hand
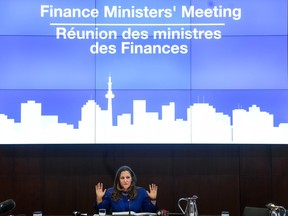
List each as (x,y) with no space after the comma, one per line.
(152,193)
(100,191)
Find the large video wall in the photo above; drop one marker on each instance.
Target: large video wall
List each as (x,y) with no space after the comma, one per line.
(127,71)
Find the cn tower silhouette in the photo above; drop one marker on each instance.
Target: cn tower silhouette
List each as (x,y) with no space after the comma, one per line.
(109,95)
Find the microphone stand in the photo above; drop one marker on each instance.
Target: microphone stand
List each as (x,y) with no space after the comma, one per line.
(129,207)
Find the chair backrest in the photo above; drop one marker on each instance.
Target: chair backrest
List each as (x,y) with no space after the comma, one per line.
(255,211)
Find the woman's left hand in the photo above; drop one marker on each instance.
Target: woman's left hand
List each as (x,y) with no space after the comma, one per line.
(152,193)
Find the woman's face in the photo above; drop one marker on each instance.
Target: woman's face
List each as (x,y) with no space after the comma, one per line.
(125,180)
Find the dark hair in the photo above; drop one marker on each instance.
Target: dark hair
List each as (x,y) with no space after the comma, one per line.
(131,192)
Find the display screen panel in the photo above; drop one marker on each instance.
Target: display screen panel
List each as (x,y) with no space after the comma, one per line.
(144,72)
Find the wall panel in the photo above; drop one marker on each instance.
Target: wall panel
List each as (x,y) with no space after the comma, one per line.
(59,179)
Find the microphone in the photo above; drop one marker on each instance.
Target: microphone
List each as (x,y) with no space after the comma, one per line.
(273,207)
(129,207)
(7,205)
(128,199)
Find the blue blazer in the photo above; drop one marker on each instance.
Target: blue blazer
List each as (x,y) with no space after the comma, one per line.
(141,203)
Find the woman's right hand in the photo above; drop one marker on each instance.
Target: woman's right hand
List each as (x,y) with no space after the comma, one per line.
(100,191)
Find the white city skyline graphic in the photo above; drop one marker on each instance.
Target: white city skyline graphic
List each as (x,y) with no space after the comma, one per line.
(203,125)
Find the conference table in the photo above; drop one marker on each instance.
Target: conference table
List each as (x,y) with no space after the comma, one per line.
(124,214)
(110,215)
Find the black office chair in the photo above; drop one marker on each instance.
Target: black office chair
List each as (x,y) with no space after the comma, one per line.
(255,211)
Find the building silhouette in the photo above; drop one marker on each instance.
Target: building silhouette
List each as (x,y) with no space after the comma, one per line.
(203,125)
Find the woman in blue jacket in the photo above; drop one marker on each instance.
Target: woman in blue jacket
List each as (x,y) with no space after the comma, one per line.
(125,195)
